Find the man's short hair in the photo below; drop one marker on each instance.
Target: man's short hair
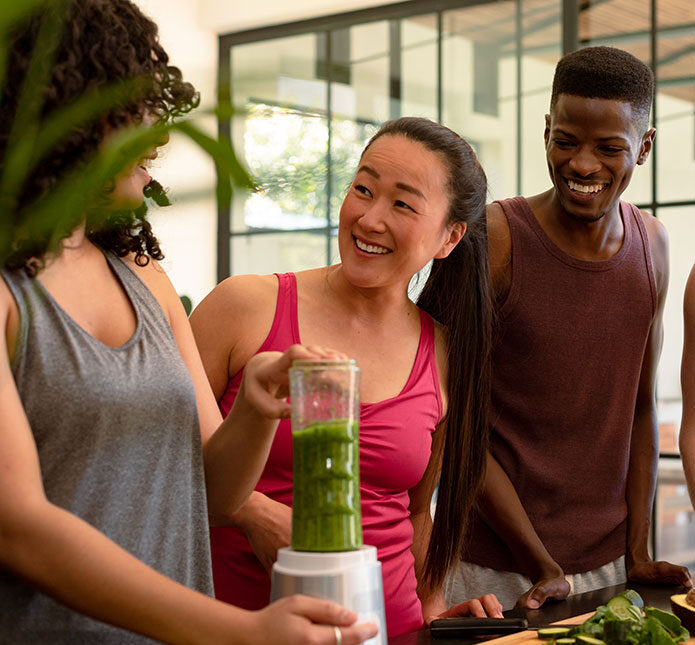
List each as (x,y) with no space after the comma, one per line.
(606,73)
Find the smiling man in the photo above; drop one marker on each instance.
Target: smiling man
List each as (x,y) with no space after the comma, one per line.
(580,280)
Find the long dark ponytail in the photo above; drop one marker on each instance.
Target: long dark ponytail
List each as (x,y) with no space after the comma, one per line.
(457,295)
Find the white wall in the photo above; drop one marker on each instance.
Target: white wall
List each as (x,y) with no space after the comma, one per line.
(242,14)
(187,230)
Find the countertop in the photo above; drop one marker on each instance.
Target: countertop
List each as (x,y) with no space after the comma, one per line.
(653,595)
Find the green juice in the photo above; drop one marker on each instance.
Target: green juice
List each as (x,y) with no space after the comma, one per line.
(326,490)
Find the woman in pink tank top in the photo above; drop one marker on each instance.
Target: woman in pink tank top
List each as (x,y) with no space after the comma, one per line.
(418,195)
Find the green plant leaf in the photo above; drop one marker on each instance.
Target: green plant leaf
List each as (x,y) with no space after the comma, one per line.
(25,126)
(13,12)
(220,150)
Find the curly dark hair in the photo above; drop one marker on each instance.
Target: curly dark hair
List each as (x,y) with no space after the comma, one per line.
(103,42)
(606,73)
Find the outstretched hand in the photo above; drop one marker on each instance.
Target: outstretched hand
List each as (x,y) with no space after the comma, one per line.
(300,620)
(483,607)
(266,380)
(659,572)
(556,588)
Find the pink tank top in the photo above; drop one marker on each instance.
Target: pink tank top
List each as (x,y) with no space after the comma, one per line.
(566,365)
(395,446)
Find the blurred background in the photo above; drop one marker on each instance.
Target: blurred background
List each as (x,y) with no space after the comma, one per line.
(311,80)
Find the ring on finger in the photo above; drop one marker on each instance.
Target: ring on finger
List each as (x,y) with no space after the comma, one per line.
(338,635)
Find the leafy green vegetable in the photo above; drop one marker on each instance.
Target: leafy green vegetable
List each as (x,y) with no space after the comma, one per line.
(670,622)
(619,623)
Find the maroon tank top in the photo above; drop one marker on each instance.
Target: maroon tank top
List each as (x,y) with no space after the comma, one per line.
(566,361)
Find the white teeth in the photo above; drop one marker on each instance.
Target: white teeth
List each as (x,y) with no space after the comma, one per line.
(369,248)
(581,188)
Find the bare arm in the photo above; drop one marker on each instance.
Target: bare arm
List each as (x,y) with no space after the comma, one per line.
(644,450)
(502,510)
(687,431)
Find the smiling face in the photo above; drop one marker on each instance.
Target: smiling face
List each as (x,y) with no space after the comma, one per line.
(127,193)
(592,147)
(394,217)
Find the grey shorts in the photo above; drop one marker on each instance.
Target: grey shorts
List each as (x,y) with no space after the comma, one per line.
(466,581)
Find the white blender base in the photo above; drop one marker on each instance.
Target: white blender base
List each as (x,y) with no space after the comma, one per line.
(350,578)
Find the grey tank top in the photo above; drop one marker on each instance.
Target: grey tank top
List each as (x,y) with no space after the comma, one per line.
(118,440)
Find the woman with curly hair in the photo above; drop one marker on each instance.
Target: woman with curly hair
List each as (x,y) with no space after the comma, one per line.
(103,512)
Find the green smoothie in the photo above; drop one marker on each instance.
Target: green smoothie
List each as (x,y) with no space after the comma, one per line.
(326,489)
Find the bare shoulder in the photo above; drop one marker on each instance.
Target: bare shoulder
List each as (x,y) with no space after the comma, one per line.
(245,299)
(689,299)
(6,300)
(234,319)
(499,240)
(156,280)
(658,248)
(656,232)
(9,317)
(499,236)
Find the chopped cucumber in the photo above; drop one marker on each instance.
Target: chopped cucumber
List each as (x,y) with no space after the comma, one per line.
(635,612)
(633,597)
(626,605)
(549,633)
(619,604)
(565,641)
(589,640)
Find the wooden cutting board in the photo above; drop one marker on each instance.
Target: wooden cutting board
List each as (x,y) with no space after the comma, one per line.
(529,637)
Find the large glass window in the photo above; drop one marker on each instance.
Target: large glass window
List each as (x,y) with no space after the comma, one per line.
(280,131)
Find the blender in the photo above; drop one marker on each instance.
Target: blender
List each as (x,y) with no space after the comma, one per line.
(327,558)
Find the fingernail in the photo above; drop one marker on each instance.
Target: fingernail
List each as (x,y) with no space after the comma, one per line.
(533,604)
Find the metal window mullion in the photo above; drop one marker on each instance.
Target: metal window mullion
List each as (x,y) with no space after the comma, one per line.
(440,62)
(224,129)
(329,125)
(519,114)
(395,69)
(570,26)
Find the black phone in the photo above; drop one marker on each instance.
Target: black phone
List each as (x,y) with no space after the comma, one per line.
(469,626)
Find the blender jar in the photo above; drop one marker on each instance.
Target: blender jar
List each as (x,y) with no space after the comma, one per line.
(324,396)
